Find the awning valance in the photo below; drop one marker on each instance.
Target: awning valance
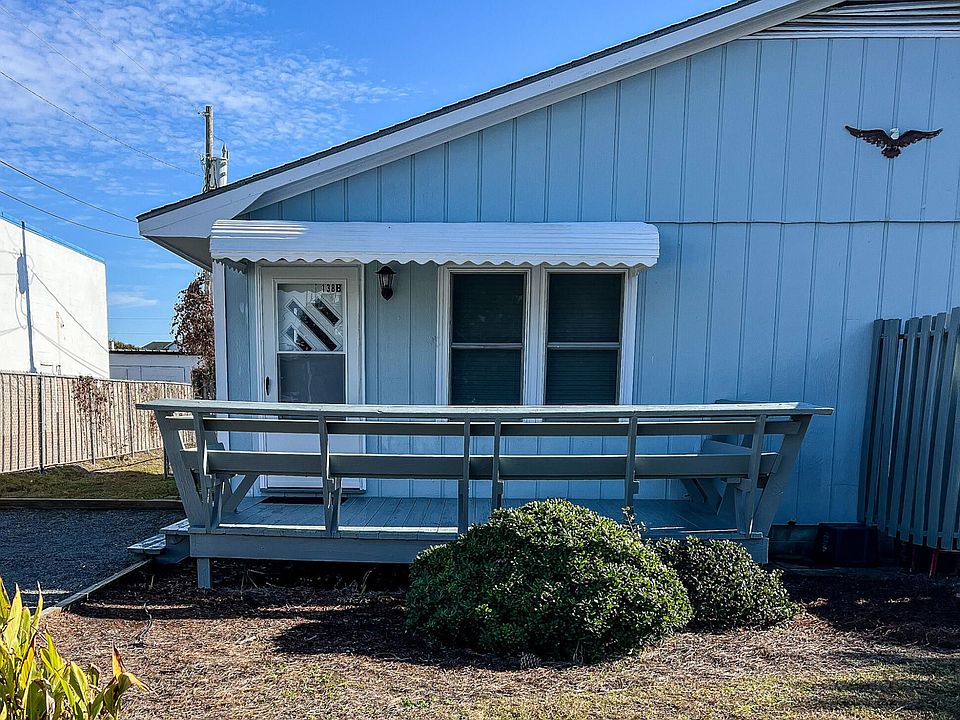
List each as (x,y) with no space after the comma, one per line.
(596,244)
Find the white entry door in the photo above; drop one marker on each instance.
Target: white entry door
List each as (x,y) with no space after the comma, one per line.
(311,353)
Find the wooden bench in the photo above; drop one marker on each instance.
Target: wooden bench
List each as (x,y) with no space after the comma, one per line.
(747,449)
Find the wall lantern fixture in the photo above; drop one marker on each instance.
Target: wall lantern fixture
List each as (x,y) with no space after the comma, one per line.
(386,275)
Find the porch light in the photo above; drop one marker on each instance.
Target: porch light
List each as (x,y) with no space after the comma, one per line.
(386,275)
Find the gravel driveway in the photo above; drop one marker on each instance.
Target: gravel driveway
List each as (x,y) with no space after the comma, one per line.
(68,550)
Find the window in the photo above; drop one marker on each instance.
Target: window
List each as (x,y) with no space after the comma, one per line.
(583,338)
(486,338)
(535,336)
(311,357)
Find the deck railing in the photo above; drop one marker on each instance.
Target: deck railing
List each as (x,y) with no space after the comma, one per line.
(747,449)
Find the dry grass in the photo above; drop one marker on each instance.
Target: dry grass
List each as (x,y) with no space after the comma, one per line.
(317,647)
(135,477)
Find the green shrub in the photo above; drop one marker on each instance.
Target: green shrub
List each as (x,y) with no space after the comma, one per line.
(727,589)
(36,683)
(552,579)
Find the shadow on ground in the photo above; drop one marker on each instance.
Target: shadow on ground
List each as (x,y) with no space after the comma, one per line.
(890,606)
(901,685)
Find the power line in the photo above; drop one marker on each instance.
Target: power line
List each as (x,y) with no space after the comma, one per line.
(68,220)
(95,128)
(53,48)
(116,46)
(65,194)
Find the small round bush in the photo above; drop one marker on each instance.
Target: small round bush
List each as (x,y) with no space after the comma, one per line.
(727,589)
(552,579)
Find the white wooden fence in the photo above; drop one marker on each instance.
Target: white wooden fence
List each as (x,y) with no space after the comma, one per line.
(48,420)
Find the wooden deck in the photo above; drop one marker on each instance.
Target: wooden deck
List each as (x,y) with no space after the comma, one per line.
(394,530)
(735,466)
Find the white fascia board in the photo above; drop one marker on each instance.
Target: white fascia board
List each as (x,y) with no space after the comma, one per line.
(195,219)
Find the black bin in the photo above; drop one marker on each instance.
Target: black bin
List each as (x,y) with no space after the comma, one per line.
(846,545)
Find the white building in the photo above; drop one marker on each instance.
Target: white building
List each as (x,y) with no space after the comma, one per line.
(154,365)
(53,305)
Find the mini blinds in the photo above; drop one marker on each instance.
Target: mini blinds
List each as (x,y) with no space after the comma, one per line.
(486,334)
(583,338)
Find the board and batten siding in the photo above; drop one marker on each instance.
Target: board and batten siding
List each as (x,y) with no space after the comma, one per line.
(782,237)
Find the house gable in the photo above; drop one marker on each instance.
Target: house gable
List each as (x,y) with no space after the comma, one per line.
(179,226)
(751,131)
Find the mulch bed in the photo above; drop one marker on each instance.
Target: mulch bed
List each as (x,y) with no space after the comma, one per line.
(289,641)
(891,607)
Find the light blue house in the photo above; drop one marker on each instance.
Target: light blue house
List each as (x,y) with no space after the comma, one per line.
(678,219)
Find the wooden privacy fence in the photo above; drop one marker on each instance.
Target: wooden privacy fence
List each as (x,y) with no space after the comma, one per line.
(910,466)
(48,420)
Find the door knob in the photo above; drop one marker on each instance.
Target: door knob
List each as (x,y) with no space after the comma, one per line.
(266,386)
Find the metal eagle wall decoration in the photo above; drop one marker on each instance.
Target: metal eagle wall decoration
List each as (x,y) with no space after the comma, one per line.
(891,145)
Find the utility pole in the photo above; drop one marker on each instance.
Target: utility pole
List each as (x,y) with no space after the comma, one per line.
(214,168)
(209,179)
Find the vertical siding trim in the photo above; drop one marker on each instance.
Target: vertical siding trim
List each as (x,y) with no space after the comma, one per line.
(513,170)
(925,182)
(818,211)
(546,163)
(840,353)
(651,113)
(720,127)
(583,134)
(446,182)
(753,130)
(856,154)
(687,71)
(615,168)
(786,152)
(480,137)
(380,194)
(896,111)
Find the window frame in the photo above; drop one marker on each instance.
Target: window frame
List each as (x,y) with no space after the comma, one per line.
(445,323)
(536,304)
(618,345)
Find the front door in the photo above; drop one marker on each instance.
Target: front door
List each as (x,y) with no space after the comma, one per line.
(311,353)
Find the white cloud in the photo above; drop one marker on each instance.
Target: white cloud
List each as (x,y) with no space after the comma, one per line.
(130,299)
(140,70)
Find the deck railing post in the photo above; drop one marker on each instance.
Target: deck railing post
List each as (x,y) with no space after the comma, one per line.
(207,494)
(463,486)
(186,486)
(496,486)
(331,487)
(777,480)
(630,474)
(753,476)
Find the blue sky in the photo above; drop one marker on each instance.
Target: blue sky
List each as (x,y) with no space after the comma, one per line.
(286,79)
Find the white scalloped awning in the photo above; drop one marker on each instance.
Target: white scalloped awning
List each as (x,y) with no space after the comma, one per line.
(598,244)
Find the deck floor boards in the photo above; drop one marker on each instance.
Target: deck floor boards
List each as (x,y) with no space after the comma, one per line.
(431,516)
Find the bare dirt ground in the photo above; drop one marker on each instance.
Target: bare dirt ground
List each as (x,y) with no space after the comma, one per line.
(304,641)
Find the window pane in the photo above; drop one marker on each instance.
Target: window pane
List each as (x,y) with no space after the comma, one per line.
(310,317)
(584,307)
(313,378)
(485,377)
(582,377)
(487,308)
